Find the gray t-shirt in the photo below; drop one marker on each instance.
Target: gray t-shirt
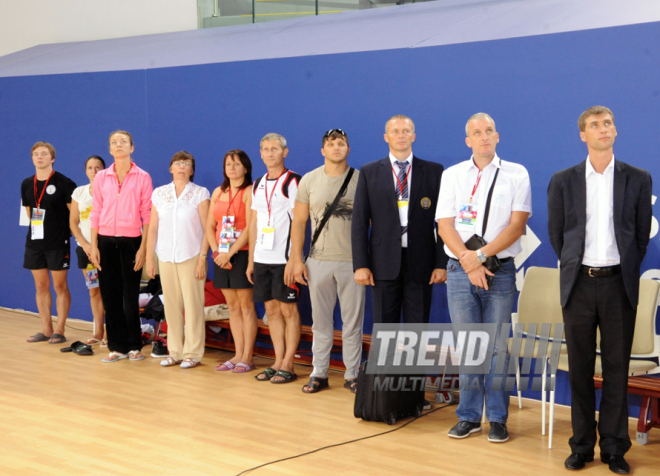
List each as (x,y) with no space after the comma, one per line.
(318,190)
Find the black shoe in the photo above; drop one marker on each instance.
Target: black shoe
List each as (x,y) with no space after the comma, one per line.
(577,460)
(616,462)
(427,405)
(462,429)
(159,350)
(498,433)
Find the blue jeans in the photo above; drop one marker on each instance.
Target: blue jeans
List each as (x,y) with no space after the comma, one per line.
(469,304)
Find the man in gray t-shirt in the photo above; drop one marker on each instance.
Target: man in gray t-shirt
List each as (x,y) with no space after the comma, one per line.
(329,268)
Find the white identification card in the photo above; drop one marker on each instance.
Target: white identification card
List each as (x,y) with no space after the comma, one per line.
(467,218)
(403,211)
(37,223)
(267,238)
(228,234)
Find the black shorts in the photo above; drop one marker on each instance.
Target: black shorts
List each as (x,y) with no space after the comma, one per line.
(235,277)
(83,260)
(269,284)
(54,260)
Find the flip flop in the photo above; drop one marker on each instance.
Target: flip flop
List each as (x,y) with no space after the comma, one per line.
(38,337)
(226,366)
(59,339)
(114,357)
(82,349)
(72,347)
(267,374)
(241,368)
(287,376)
(133,353)
(321,383)
(93,341)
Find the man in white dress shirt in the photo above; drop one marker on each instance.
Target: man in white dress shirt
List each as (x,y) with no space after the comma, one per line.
(472,299)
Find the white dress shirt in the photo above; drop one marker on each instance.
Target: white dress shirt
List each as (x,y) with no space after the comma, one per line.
(512,193)
(403,217)
(180,230)
(600,247)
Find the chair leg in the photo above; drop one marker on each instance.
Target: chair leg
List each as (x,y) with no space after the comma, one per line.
(518,384)
(483,415)
(543,395)
(552,413)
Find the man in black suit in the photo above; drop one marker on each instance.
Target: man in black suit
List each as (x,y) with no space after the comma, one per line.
(401,258)
(599,221)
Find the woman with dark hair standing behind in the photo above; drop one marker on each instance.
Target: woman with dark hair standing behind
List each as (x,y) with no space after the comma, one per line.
(119,219)
(80,224)
(176,234)
(227,233)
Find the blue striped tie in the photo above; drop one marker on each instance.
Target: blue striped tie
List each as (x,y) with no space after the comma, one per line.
(403,180)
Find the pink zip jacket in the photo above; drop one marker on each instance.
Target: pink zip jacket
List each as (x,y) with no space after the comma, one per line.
(121,213)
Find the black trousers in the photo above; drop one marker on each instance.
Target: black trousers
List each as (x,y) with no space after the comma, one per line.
(599,303)
(120,290)
(390,297)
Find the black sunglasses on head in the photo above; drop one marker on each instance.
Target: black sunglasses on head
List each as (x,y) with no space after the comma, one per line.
(332,131)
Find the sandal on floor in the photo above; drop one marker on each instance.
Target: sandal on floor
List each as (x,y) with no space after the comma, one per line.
(169,362)
(71,347)
(287,377)
(266,375)
(59,339)
(114,357)
(241,368)
(351,384)
(104,343)
(93,341)
(189,363)
(38,337)
(226,366)
(133,355)
(316,384)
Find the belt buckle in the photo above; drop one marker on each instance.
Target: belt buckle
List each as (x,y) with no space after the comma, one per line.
(591,275)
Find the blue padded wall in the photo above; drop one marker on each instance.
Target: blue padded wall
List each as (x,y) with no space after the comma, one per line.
(534,87)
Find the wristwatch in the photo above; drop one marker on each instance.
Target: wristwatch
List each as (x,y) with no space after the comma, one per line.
(481,256)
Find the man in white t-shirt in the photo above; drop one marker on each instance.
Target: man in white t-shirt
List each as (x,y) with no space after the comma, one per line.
(330,262)
(461,209)
(273,198)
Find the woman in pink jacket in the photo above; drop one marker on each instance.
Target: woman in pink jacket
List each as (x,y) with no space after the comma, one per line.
(122,206)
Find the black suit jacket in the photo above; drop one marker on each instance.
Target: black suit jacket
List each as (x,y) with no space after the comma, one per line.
(567,218)
(375,205)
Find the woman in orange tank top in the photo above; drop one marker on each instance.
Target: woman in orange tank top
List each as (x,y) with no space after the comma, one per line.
(227,233)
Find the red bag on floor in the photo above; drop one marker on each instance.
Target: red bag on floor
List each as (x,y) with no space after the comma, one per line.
(212,296)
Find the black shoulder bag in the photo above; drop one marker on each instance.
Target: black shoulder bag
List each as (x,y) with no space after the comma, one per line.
(328,212)
(476,242)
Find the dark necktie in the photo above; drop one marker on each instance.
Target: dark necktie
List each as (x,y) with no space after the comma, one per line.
(402,185)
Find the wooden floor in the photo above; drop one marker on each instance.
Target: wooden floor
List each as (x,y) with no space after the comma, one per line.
(62,413)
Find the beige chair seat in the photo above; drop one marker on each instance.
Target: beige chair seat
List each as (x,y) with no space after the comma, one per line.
(636,366)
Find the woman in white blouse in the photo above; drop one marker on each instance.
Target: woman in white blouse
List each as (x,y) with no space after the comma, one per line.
(81,207)
(176,233)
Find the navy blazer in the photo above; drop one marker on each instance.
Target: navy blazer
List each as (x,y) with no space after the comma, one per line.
(375,207)
(567,218)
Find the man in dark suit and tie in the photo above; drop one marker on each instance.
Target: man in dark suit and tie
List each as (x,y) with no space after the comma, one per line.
(401,257)
(599,221)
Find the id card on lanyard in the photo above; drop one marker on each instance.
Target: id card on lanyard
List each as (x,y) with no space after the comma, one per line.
(402,203)
(228,232)
(38,214)
(468,212)
(266,239)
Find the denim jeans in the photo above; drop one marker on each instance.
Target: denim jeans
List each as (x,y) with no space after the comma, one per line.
(469,304)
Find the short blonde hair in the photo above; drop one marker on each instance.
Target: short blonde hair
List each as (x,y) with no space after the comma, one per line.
(48,146)
(399,116)
(479,115)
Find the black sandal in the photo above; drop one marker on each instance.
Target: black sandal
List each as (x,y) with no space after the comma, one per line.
(267,374)
(316,384)
(286,376)
(351,384)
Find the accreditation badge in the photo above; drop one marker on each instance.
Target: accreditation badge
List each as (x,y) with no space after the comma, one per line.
(467,218)
(403,211)
(37,223)
(228,234)
(267,238)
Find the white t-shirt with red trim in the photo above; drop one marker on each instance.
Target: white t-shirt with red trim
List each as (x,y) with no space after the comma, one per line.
(282,198)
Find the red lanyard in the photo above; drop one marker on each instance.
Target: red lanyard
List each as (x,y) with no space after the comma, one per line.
(231,201)
(474,189)
(399,181)
(38,200)
(270,200)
